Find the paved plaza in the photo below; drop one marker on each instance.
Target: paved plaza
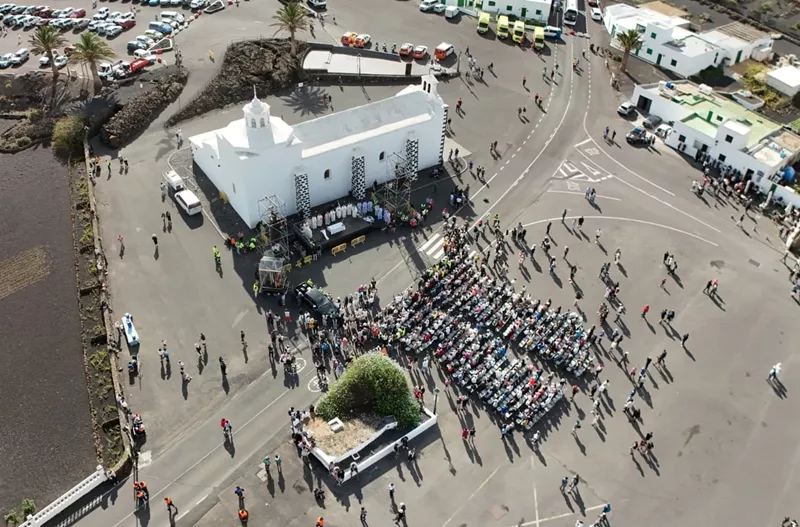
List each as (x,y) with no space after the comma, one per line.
(723,436)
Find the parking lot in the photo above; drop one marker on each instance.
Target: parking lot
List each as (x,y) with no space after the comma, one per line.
(130,20)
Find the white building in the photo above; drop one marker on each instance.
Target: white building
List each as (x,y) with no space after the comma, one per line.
(706,123)
(786,80)
(323,159)
(535,11)
(668,42)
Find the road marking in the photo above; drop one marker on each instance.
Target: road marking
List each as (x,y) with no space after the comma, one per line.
(471,496)
(557,517)
(634,220)
(666,204)
(573,187)
(580,193)
(200,500)
(238,319)
(591,170)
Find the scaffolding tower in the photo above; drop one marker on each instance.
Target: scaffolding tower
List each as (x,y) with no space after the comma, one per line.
(395,194)
(273,239)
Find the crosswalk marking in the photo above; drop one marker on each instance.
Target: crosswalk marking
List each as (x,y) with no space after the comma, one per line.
(434,247)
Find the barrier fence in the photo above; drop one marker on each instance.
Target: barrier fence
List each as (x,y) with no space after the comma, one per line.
(61,504)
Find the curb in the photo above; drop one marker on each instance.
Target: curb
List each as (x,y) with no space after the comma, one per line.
(107,322)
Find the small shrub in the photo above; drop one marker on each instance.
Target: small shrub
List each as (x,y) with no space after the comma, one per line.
(34,114)
(372,383)
(28,507)
(11,518)
(68,136)
(22,142)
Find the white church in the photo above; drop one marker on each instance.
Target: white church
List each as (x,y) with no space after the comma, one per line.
(323,159)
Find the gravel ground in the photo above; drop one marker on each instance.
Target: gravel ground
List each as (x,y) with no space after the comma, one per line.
(45,405)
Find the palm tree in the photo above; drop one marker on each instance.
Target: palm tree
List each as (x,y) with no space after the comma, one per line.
(90,50)
(629,41)
(45,41)
(292,18)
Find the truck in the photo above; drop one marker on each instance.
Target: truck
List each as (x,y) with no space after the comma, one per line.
(483,23)
(129,68)
(518,34)
(538,37)
(502,27)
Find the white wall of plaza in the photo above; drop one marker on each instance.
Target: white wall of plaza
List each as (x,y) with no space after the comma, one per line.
(537,11)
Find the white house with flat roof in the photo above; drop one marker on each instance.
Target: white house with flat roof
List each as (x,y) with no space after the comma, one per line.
(786,80)
(536,11)
(705,123)
(668,42)
(326,158)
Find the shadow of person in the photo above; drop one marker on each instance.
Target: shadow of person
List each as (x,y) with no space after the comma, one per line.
(226,387)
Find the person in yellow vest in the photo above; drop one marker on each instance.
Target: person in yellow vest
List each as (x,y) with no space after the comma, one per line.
(255,289)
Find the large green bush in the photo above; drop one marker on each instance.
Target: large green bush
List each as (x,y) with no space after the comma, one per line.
(68,135)
(373,384)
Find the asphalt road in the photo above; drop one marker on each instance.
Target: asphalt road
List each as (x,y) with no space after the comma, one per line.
(715,419)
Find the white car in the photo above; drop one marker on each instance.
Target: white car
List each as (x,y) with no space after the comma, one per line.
(198,4)
(439,8)
(5,60)
(172,16)
(44,60)
(427,5)
(152,33)
(114,15)
(102,12)
(60,61)
(20,57)
(112,30)
(597,14)
(123,17)
(82,23)
(147,40)
(66,12)
(626,108)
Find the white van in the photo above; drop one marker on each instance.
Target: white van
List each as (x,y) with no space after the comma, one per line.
(170,16)
(451,11)
(189,202)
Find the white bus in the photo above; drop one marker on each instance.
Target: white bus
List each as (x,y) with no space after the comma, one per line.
(571,12)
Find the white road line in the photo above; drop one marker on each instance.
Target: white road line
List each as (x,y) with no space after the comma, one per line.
(438,255)
(666,204)
(471,496)
(634,220)
(557,517)
(238,318)
(580,194)
(563,173)
(432,240)
(200,500)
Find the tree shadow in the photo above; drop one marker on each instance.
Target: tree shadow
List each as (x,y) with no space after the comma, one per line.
(307,100)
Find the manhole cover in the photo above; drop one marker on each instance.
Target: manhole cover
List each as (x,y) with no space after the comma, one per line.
(498,511)
(753,263)
(718,264)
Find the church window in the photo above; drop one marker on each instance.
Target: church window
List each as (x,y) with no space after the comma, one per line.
(252,123)
(382,156)
(328,174)
(263,123)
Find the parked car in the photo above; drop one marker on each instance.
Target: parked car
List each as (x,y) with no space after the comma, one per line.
(113,31)
(60,61)
(103,12)
(66,12)
(20,57)
(17,10)
(6,8)
(427,5)
(420,52)
(135,45)
(152,33)
(146,40)
(638,136)
(626,108)
(597,15)
(44,60)
(406,49)
(29,10)
(663,131)
(439,8)
(652,122)
(5,60)
(198,4)
(172,16)
(153,3)
(363,41)
(82,23)
(126,23)
(78,13)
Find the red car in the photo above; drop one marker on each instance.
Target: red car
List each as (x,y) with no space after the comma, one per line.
(78,13)
(127,24)
(45,13)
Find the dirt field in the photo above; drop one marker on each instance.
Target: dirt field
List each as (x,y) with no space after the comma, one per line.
(46,444)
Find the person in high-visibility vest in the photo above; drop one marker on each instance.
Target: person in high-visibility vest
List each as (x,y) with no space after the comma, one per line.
(255,289)
(243,514)
(320,522)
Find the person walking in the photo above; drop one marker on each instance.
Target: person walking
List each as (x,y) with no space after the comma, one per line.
(155,240)
(575,428)
(645,310)
(660,359)
(549,224)
(684,338)
(564,483)
(390,488)
(170,506)
(597,236)
(566,251)
(773,373)
(617,255)
(563,215)
(524,81)
(363,516)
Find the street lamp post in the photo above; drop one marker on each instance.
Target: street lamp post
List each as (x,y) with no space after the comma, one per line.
(435,399)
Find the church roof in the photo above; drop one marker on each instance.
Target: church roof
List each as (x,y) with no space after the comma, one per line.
(409,107)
